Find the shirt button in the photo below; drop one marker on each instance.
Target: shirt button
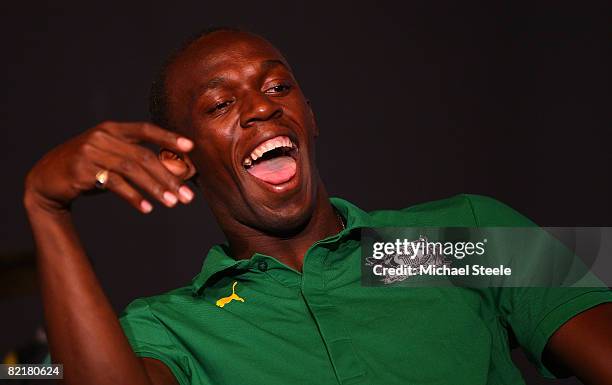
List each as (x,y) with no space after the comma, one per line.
(262,265)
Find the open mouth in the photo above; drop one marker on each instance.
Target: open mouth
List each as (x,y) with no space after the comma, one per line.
(273,161)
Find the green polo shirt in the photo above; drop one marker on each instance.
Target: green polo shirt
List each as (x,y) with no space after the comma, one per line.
(323,327)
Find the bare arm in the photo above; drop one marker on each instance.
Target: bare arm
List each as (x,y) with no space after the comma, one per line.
(83,329)
(583,347)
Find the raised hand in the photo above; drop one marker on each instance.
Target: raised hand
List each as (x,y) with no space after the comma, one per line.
(70,169)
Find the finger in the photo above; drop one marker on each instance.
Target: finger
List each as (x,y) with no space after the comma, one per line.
(144,131)
(117,184)
(151,164)
(133,171)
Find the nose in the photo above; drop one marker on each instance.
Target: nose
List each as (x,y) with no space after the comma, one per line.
(258,107)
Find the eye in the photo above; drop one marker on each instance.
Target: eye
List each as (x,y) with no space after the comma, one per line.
(220,106)
(279,89)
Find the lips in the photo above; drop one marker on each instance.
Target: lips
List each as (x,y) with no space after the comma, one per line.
(273,161)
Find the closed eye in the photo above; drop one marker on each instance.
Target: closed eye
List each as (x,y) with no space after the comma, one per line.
(220,106)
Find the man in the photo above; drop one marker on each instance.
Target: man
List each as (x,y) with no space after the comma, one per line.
(281,302)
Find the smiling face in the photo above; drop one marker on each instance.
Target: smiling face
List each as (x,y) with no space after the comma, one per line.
(235,95)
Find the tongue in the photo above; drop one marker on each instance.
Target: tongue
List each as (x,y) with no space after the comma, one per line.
(275,171)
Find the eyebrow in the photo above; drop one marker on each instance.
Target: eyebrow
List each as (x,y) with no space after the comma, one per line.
(271,63)
(219,81)
(213,83)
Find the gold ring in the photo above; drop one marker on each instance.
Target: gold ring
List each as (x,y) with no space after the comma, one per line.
(101,179)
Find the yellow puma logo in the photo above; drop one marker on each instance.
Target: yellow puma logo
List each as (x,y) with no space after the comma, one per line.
(225,300)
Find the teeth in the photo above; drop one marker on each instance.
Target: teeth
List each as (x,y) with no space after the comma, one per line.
(271,144)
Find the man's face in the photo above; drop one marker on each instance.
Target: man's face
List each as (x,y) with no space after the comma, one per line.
(253,129)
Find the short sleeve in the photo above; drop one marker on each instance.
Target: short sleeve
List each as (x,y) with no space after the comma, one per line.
(534,313)
(150,338)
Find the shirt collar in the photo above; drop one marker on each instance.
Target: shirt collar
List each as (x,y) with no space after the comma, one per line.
(354,217)
(218,258)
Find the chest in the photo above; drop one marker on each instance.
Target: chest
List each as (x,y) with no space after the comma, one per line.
(343,334)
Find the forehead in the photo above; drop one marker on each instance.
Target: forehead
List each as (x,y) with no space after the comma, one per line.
(223,46)
(220,51)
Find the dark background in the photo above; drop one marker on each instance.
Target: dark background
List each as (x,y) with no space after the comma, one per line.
(415,102)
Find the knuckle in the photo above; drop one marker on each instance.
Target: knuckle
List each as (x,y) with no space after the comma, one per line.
(174,183)
(157,190)
(170,136)
(106,125)
(86,150)
(144,128)
(97,135)
(127,165)
(170,186)
(132,196)
(147,156)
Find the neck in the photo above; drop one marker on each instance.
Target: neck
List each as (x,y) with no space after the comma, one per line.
(290,250)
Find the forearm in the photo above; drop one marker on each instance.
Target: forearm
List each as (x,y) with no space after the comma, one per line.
(83,330)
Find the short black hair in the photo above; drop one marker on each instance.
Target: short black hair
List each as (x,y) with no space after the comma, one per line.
(158,95)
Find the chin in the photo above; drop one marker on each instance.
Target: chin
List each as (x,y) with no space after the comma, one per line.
(284,216)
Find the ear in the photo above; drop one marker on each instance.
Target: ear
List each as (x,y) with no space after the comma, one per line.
(314,120)
(178,164)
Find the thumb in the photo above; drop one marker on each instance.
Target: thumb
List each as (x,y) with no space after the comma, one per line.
(173,163)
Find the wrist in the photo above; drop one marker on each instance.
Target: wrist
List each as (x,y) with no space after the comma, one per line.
(35,204)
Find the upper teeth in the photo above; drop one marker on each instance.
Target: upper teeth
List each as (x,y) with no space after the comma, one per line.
(270,144)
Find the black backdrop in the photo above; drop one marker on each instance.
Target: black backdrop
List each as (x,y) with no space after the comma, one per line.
(415,102)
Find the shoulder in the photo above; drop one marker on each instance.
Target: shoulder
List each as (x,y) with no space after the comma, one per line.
(160,303)
(459,210)
(489,211)
(147,321)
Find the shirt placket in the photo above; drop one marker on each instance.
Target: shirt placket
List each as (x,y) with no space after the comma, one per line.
(347,366)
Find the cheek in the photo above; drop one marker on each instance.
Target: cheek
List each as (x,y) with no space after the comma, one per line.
(212,154)
(300,113)
(215,154)
(214,136)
